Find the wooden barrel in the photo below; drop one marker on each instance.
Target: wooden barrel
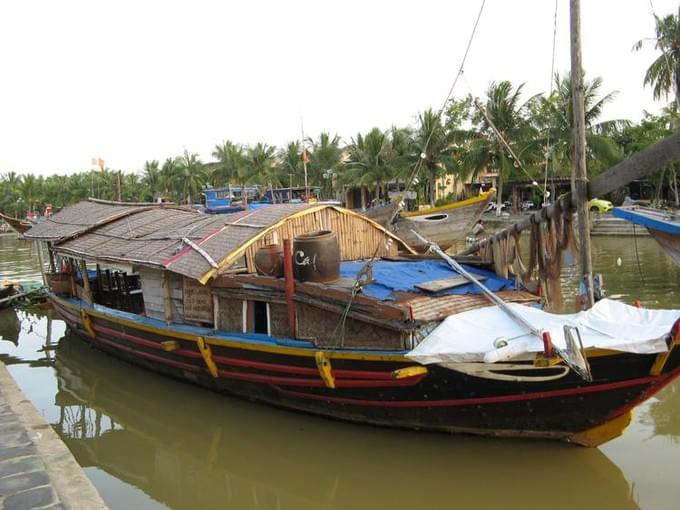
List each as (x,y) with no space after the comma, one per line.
(316,257)
(269,260)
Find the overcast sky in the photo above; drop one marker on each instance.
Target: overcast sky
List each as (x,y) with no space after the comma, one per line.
(135,80)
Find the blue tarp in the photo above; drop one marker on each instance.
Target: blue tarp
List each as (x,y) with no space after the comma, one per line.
(389,277)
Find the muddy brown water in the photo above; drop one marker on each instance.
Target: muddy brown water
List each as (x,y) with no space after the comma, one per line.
(147,441)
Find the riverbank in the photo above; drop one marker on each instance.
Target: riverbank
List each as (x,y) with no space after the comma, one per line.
(37,470)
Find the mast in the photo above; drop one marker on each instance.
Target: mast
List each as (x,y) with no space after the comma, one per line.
(580,178)
(304,160)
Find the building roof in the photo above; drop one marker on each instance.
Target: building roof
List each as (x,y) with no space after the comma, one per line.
(200,246)
(75,219)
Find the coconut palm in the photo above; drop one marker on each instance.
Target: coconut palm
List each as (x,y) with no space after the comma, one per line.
(326,159)
(502,120)
(289,162)
(369,161)
(189,175)
(556,121)
(151,178)
(663,75)
(432,142)
(260,165)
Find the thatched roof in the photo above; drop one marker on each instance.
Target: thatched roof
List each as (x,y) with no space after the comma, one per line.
(201,246)
(75,219)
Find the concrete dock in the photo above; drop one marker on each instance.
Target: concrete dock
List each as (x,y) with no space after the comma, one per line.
(37,470)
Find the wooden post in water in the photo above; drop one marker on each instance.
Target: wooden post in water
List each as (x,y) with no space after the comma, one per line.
(580,177)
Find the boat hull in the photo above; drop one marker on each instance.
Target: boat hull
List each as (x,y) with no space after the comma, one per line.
(19,226)
(664,226)
(444,225)
(381,388)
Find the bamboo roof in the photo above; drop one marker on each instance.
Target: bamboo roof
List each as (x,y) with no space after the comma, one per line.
(75,219)
(202,246)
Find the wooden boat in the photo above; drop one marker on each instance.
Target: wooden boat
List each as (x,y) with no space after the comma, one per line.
(664,226)
(19,226)
(444,225)
(178,293)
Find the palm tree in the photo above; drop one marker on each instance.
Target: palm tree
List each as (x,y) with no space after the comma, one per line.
(369,161)
(190,175)
(501,121)
(260,164)
(433,143)
(326,159)
(230,162)
(664,73)
(289,163)
(151,177)
(168,177)
(556,121)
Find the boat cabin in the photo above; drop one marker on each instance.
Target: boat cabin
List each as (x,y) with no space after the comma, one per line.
(172,264)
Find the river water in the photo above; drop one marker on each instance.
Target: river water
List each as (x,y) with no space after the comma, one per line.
(147,441)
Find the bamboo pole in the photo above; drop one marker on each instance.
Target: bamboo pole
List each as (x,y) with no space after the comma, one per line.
(579,173)
(167,302)
(87,291)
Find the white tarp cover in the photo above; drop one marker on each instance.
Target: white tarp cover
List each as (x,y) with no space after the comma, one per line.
(467,336)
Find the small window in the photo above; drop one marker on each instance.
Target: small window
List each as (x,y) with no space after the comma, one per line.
(260,317)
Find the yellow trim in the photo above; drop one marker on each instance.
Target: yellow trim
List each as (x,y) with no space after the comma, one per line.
(238,253)
(87,323)
(403,373)
(604,432)
(486,195)
(207,356)
(170,345)
(325,369)
(662,358)
(274,349)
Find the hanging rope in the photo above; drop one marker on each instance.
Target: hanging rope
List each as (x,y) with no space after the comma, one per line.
(364,274)
(548,147)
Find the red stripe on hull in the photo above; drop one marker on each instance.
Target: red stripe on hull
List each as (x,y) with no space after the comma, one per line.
(476,401)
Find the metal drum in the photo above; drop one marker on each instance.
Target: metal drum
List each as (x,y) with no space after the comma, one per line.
(316,257)
(269,260)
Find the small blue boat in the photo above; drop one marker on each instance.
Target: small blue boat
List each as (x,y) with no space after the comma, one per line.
(664,226)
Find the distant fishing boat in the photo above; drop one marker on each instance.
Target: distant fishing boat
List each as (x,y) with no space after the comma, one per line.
(19,226)
(445,224)
(664,226)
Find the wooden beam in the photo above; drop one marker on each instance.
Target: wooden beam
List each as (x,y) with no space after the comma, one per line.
(640,164)
(167,301)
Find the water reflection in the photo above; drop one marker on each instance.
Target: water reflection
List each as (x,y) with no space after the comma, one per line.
(188,448)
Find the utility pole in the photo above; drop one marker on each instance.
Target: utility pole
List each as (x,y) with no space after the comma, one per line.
(580,177)
(304,160)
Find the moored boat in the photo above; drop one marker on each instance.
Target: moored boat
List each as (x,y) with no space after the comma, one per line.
(664,226)
(19,226)
(445,224)
(179,293)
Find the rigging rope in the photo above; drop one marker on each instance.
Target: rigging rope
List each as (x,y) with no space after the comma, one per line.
(363,276)
(552,88)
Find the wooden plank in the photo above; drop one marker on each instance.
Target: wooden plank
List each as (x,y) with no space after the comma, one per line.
(445,283)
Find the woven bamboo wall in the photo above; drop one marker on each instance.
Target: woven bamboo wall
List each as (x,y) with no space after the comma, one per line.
(357,237)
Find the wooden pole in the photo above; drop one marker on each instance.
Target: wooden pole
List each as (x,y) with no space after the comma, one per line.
(87,291)
(167,300)
(579,173)
(290,285)
(38,247)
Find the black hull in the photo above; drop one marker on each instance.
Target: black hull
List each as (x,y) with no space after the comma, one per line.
(366,391)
